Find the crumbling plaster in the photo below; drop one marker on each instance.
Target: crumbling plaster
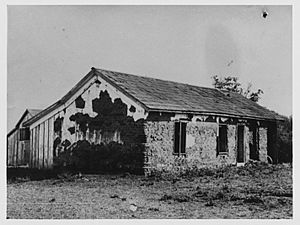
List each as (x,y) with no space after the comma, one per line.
(70,130)
(263,144)
(201,144)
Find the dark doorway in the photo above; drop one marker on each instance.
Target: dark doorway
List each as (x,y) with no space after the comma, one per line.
(254,154)
(240,144)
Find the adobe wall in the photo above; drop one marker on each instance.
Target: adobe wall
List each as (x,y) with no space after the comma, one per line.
(200,147)
(263,144)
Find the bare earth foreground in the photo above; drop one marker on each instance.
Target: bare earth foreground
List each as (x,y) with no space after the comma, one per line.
(253,191)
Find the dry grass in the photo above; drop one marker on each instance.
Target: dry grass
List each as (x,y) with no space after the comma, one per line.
(254,191)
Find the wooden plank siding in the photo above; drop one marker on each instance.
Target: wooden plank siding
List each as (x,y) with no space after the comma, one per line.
(33,140)
(39,149)
(31,148)
(50,142)
(35,143)
(20,151)
(36,161)
(16,150)
(41,145)
(45,142)
(10,150)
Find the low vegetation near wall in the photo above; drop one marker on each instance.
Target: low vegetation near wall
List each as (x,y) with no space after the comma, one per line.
(254,191)
(111,158)
(285,140)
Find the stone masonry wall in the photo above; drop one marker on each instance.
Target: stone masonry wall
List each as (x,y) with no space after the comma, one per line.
(159,146)
(232,147)
(246,143)
(263,144)
(200,147)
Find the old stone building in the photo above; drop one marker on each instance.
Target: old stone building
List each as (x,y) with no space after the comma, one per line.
(180,126)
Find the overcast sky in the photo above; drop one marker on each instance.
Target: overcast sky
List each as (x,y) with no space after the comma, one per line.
(50,48)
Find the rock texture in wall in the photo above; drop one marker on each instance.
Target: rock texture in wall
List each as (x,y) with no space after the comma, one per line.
(200,151)
(263,144)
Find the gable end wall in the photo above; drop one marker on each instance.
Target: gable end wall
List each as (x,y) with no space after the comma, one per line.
(44,131)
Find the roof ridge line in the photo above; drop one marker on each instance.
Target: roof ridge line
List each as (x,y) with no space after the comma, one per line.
(143,76)
(118,87)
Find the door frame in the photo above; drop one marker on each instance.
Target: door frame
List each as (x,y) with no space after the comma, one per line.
(240,125)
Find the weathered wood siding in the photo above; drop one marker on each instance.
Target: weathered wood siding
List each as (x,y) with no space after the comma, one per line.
(48,131)
(17,151)
(41,142)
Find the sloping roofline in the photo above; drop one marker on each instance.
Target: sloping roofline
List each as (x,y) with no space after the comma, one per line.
(33,112)
(61,101)
(95,71)
(102,73)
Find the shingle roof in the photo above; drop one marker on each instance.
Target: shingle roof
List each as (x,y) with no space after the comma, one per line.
(162,95)
(168,96)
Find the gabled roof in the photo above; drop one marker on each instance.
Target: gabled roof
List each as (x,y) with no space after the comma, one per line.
(63,100)
(168,96)
(33,112)
(30,112)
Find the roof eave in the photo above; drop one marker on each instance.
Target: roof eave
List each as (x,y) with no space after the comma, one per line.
(12,131)
(213,114)
(60,102)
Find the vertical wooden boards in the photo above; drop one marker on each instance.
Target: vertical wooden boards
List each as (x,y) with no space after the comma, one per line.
(26,152)
(11,149)
(50,141)
(46,127)
(18,148)
(36,161)
(7,150)
(8,153)
(15,149)
(41,145)
(55,134)
(31,148)
(20,152)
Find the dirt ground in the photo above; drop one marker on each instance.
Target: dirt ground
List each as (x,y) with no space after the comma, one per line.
(253,191)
